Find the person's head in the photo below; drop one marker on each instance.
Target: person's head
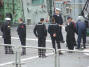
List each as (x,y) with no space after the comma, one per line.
(57,11)
(53,20)
(69,19)
(80,18)
(42,20)
(20,20)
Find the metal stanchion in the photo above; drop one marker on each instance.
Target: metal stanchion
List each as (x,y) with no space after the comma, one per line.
(18,57)
(56,56)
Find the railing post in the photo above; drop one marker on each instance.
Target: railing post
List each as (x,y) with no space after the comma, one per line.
(18,57)
(56,57)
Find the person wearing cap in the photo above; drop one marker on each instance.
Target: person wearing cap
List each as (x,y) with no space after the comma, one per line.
(81,31)
(22,34)
(59,21)
(40,32)
(70,37)
(6,30)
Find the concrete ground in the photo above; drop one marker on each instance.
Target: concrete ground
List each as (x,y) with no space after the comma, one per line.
(31,59)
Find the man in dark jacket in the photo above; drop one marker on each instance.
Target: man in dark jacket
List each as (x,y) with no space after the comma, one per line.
(5,28)
(59,21)
(54,31)
(22,35)
(81,31)
(41,33)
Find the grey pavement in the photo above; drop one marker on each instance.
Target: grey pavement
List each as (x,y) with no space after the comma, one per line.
(65,60)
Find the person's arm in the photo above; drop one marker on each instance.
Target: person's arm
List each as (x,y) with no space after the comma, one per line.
(61,20)
(2,28)
(77,27)
(35,31)
(24,29)
(45,30)
(66,28)
(50,31)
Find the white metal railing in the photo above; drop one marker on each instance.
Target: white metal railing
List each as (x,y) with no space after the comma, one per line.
(18,61)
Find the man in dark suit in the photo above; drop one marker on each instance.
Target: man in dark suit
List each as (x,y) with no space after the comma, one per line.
(54,31)
(22,34)
(41,33)
(59,21)
(6,30)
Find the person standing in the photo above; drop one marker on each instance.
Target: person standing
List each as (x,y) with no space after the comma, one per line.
(81,31)
(22,34)
(40,32)
(6,30)
(70,37)
(59,21)
(54,31)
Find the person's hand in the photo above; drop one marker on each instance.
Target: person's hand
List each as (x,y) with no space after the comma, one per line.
(54,35)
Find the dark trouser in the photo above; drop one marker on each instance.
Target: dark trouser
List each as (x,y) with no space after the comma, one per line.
(8,49)
(61,36)
(81,35)
(70,40)
(54,41)
(41,43)
(70,45)
(23,43)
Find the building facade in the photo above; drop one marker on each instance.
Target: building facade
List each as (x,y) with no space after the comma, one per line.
(13,7)
(32,10)
(70,7)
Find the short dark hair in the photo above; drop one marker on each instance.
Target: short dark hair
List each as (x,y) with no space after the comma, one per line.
(53,20)
(69,18)
(41,19)
(20,19)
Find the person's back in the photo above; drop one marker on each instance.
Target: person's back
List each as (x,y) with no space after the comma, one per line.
(54,28)
(40,30)
(81,31)
(80,25)
(41,33)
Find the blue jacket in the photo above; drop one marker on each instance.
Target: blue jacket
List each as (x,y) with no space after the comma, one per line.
(80,26)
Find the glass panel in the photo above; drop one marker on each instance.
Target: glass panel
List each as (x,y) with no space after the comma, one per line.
(37,2)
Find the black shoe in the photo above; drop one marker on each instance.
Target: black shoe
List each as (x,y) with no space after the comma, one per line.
(11,52)
(44,56)
(6,53)
(77,48)
(62,41)
(23,54)
(39,56)
(60,53)
(84,47)
(70,52)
